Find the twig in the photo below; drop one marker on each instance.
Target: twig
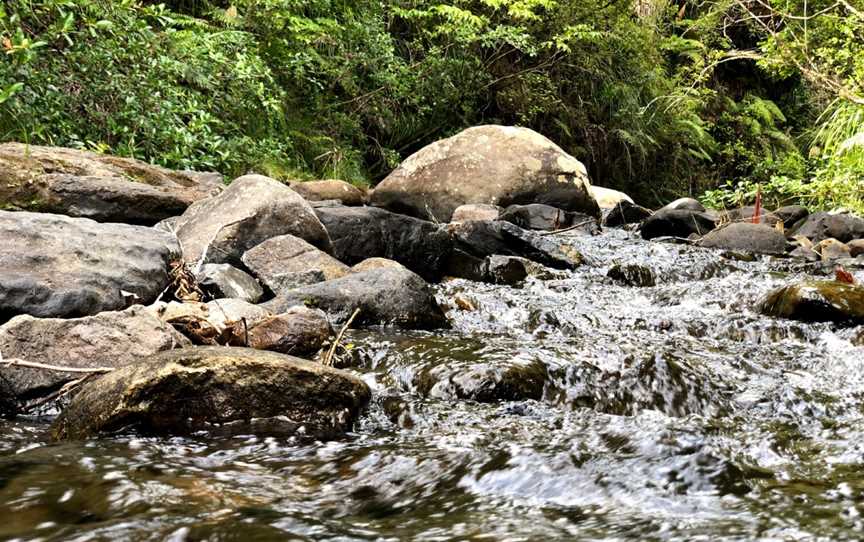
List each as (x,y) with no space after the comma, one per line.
(328,359)
(67,388)
(569,228)
(33,365)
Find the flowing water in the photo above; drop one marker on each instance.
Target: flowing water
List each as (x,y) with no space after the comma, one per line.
(567,409)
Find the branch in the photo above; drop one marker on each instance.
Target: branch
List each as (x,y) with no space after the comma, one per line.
(58,368)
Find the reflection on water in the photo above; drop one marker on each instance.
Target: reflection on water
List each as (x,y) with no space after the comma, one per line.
(572,409)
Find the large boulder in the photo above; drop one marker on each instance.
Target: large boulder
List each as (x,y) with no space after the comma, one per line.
(683,204)
(192,389)
(384,296)
(109,339)
(297,331)
(746,237)
(677,223)
(820,226)
(475,211)
(54,265)
(251,210)
(287,262)
(222,280)
(608,198)
(98,186)
(791,214)
(817,301)
(496,165)
(330,190)
(359,233)
(625,213)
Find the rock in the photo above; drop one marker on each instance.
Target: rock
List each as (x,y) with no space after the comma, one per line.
(376,263)
(191,389)
(745,214)
(226,281)
(56,266)
(287,262)
(817,301)
(97,186)
(331,189)
(676,223)
(495,165)
(109,339)
(475,211)
(219,313)
(251,210)
(359,233)
(484,382)
(856,247)
(608,198)
(832,249)
(511,269)
(747,237)
(537,216)
(791,214)
(632,275)
(806,253)
(479,238)
(384,297)
(683,204)
(297,331)
(625,213)
(820,226)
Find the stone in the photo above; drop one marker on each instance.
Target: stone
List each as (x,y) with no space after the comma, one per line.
(222,280)
(791,214)
(493,165)
(509,269)
(57,266)
(832,249)
(359,233)
(745,214)
(632,275)
(608,198)
(856,247)
(484,382)
(192,389)
(285,262)
(820,226)
(370,264)
(297,331)
(746,237)
(683,204)
(817,301)
(101,187)
(251,210)
(384,296)
(625,213)
(330,190)
(108,339)
(806,253)
(537,216)
(677,223)
(219,313)
(475,211)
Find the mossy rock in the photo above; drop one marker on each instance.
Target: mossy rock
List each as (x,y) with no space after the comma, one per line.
(817,301)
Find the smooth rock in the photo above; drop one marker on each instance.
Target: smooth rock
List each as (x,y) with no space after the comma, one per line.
(625,213)
(370,264)
(791,214)
(287,262)
(330,189)
(54,265)
(537,216)
(745,215)
(632,275)
(817,301)
(222,280)
(475,211)
(384,296)
(297,331)
(97,186)
(191,389)
(856,247)
(219,313)
(359,233)
(832,249)
(251,210)
(820,226)
(683,204)
(608,198)
(677,223)
(747,237)
(493,165)
(806,253)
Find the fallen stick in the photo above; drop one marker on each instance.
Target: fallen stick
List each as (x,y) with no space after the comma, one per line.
(44,366)
(328,359)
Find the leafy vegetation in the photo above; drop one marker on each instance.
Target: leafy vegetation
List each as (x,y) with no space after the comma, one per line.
(658,99)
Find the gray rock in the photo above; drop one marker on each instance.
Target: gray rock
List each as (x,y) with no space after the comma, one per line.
(222,280)
(747,237)
(297,331)
(191,389)
(370,264)
(817,301)
(537,216)
(820,226)
(856,247)
(683,204)
(475,211)
(679,223)
(484,382)
(330,190)
(53,265)
(791,214)
(287,262)
(251,210)
(632,275)
(806,253)
(496,165)
(625,213)
(832,249)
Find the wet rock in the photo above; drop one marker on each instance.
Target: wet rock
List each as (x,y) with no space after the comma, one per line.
(510,269)
(745,215)
(608,198)
(384,296)
(677,223)
(370,264)
(285,262)
(791,214)
(806,253)
(251,210)
(475,211)
(632,275)
(53,265)
(297,331)
(856,247)
(683,204)
(747,237)
(832,249)
(625,213)
(109,339)
(190,389)
(359,233)
(484,383)
(536,216)
(97,186)
(226,281)
(331,189)
(817,301)
(478,239)
(820,226)
(498,165)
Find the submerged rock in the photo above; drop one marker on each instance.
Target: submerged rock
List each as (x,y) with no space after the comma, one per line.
(632,275)
(221,280)
(475,211)
(497,165)
(747,237)
(484,382)
(817,301)
(287,262)
(820,226)
(191,389)
(625,213)
(53,265)
(330,189)
(297,331)
(677,223)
